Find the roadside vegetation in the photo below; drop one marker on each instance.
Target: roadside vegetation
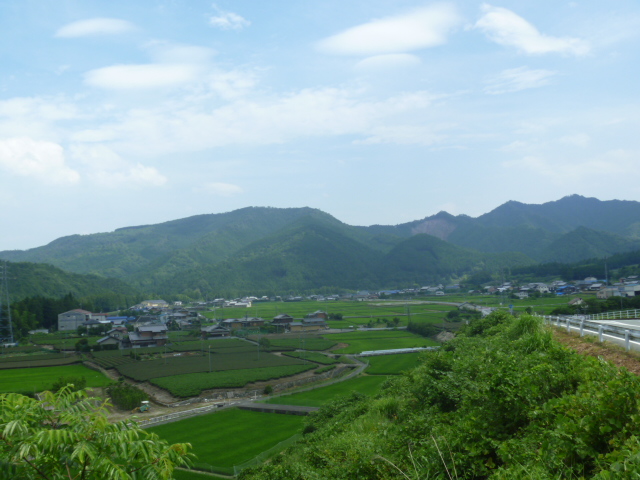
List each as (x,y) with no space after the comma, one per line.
(503,400)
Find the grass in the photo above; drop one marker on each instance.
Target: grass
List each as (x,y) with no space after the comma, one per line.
(231,437)
(367,384)
(379,340)
(29,380)
(391,364)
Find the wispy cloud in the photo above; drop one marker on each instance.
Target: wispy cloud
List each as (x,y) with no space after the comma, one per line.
(223,189)
(509,29)
(389,61)
(106,168)
(121,77)
(559,171)
(95,26)
(42,160)
(516,79)
(581,140)
(418,29)
(227,20)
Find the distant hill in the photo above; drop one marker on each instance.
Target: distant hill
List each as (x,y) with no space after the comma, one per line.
(296,249)
(27,279)
(537,230)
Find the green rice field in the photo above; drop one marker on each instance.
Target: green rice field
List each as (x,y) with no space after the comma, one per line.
(30,380)
(379,340)
(230,437)
(391,364)
(366,384)
(192,384)
(426,309)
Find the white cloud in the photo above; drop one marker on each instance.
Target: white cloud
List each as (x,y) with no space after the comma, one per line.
(223,189)
(390,61)
(516,79)
(122,77)
(268,121)
(560,172)
(506,28)
(135,175)
(106,168)
(95,26)
(227,20)
(42,160)
(42,109)
(404,135)
(581,140)
(231,85)
(418,29)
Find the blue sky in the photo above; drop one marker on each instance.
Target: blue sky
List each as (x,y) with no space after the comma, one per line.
(125,113)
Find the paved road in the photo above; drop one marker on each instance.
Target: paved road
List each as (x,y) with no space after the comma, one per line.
(615,339)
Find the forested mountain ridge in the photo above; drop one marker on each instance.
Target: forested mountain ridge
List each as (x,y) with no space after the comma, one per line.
(297,249)
(27,279)
(539,231)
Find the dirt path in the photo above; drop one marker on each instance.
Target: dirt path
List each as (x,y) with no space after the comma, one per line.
(588,345)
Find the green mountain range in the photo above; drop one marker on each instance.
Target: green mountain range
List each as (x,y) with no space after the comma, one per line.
(258,249)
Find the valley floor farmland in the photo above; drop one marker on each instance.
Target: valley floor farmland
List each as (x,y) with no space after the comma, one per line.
(30,380)
(361,341)
(230,437)
(367,385)
(391,364)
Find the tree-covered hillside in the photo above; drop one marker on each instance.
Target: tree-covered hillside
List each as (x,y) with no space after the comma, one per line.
(27,279)
(502,401)
(274,250)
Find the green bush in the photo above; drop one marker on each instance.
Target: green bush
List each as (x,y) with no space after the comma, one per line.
(77,383)
(125,396)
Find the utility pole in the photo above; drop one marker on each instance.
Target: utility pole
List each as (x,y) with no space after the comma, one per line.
(6,326)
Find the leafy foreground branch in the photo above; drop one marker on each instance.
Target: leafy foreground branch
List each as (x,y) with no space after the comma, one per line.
(67,436)
(503,401)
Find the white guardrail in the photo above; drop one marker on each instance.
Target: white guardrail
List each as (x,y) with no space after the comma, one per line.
(585,325)
(617,315)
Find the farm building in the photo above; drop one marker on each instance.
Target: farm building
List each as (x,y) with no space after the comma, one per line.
(214,331)
(149,336)
(72,319)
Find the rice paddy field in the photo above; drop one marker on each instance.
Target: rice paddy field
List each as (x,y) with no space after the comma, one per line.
(391,364)
(354,313)
(361,341)
(365,384)
(30,380)
(230,437)
(429,309)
